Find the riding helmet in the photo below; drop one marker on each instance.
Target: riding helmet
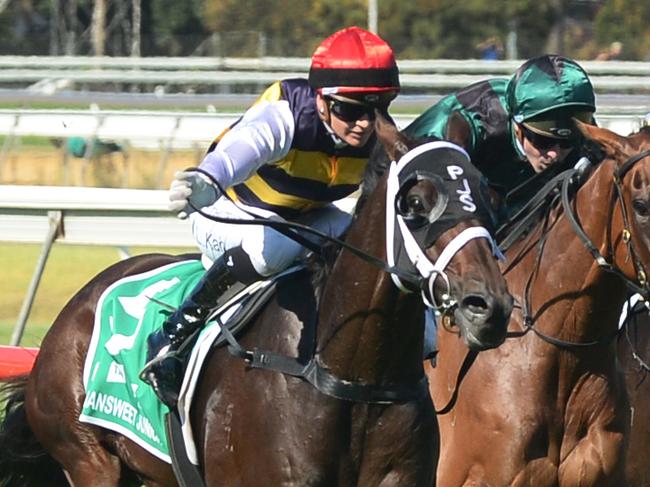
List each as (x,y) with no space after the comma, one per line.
(355,61)
(546,92)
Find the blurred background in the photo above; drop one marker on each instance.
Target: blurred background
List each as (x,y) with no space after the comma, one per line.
(101,101)
(425,29)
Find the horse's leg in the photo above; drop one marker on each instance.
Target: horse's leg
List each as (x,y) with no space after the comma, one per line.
(594,443)
(413,427)
(85,473)
(82,457)
(54,399)
(74,445)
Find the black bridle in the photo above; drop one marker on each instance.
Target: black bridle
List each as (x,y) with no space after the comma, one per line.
(642,287)
(569,183)
(312,371)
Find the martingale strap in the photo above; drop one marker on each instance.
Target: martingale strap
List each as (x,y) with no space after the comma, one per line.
(322,379)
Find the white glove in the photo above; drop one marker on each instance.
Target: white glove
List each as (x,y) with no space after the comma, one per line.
(194,184)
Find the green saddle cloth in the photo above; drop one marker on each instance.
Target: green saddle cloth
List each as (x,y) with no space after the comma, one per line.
(126,314)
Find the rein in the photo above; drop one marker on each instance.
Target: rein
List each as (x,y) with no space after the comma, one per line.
(467,364)
(312,371)
(568,181)
(642,288)
(292,229)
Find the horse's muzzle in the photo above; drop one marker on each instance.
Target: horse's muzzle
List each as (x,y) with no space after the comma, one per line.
(483,319)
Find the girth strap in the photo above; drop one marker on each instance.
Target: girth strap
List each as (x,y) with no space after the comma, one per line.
(322,379)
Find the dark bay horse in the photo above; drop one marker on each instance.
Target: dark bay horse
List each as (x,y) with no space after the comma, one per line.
(257,427)
(634,356)
(548,407)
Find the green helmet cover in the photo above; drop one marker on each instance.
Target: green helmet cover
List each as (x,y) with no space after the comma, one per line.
(549,83)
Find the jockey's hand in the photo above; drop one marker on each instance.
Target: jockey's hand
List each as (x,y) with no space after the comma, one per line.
(190,187)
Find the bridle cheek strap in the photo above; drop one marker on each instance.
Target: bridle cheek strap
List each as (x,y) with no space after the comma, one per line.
(430,271)
(452,248)
(396,226)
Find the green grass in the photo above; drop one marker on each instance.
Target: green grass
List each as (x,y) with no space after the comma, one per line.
(68,268)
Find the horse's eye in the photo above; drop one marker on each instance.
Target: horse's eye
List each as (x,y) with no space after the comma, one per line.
(415,203)
(641,207)
(418,201)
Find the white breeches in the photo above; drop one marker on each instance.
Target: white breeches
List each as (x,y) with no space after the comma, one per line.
(269,250)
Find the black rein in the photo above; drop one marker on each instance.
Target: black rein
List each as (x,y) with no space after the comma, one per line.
(569,183)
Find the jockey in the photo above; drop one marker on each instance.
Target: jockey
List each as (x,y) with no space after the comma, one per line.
(519,127)
(301,146)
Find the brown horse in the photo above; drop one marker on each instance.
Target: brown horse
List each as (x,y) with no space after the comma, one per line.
(260,427)
(548,407)
(634,356)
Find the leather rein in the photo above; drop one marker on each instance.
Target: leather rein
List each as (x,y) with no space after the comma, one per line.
(568,183)
(312,371)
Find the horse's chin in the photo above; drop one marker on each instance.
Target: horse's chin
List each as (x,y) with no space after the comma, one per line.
(478,335)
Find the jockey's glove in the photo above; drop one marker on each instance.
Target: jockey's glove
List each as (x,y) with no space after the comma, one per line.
(193,187)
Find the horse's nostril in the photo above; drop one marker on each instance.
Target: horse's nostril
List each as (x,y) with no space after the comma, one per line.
(476,304)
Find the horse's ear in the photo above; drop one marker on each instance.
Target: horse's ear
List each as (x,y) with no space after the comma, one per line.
(458,130)
(395,143)
(610,142)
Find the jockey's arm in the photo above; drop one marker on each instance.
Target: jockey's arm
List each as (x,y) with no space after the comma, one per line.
(263,135)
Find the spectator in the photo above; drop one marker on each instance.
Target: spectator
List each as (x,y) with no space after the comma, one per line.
(78,147)
(491,49)
(613,52)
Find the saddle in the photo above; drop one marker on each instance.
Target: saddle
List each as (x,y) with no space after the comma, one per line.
(179,435)
(127,312)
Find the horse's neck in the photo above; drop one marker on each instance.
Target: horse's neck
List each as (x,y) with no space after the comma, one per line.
(599,211)
(571,295)
(367,329)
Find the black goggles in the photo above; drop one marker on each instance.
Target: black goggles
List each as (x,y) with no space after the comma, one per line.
(545,143)
(350,112)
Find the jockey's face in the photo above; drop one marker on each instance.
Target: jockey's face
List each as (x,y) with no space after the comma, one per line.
(542,152)
(351,121)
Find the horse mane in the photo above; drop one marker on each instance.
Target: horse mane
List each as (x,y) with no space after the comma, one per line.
(645,130)
(377,166)
(319,266)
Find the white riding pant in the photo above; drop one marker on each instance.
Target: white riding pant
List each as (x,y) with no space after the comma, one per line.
(269,251)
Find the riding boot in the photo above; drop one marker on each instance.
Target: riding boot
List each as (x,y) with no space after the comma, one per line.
(164,368)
